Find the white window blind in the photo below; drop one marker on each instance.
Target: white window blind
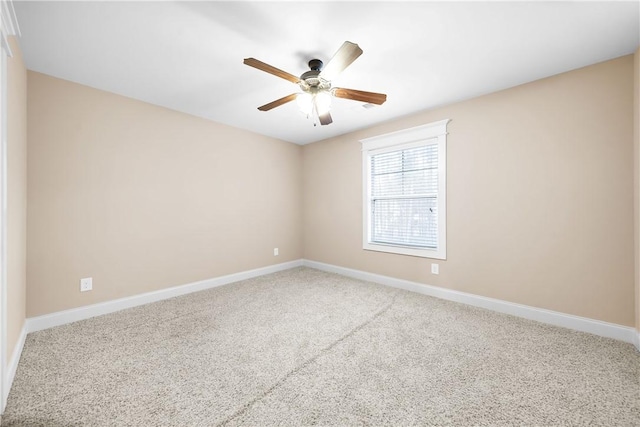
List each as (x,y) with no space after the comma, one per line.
(404,197)
(404,191)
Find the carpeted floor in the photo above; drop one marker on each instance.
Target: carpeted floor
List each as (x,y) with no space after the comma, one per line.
(305,347)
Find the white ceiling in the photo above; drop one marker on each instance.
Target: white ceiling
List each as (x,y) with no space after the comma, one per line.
(187,56)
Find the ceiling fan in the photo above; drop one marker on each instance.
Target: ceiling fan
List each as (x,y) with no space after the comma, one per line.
(315,98)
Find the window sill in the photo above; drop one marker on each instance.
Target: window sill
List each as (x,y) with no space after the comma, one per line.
(400,250)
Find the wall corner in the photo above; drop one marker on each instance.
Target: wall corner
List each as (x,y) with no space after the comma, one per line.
(636,187)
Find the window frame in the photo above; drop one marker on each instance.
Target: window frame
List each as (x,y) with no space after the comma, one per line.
(428,134)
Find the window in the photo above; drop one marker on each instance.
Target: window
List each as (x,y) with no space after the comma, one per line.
(404,177)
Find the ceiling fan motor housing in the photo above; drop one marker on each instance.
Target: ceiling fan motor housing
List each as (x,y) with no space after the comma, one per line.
(312,78)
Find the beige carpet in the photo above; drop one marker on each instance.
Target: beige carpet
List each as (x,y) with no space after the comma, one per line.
(305,347)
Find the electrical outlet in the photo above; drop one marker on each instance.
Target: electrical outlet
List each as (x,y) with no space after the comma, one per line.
(435,269)
(276,252)
(86,284)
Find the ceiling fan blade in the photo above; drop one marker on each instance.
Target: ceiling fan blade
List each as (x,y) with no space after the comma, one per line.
(278,102)
(325,119)
(360,95)
(252,62)
(347,53)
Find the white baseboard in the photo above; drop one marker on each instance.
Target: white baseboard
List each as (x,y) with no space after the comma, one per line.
(583,324)
(75,314)
(13,364)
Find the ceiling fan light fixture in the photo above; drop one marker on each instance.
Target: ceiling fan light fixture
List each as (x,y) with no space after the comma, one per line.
(323,102)
(305,103)
(314,103)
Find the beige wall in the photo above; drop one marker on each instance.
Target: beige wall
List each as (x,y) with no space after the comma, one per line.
(16,195)
(540,206)
(141,198)
(636,180)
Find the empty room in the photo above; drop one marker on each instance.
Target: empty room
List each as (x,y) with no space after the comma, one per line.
(254,213)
